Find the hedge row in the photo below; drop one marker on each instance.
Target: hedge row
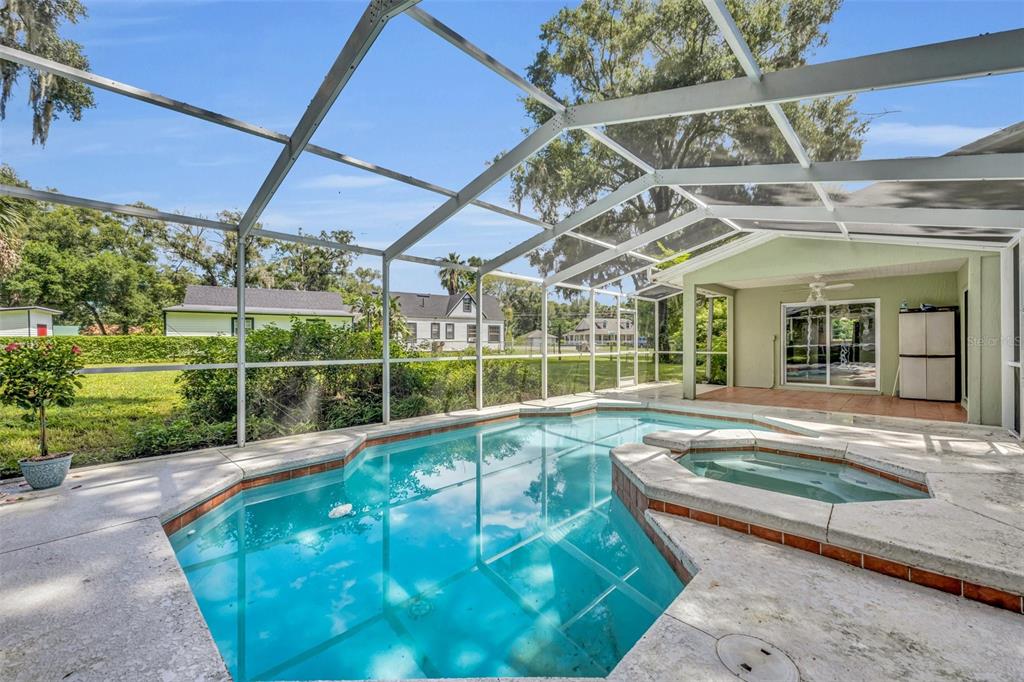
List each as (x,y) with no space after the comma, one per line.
(120,350)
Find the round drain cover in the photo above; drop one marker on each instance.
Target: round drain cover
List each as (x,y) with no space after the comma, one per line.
(755,660)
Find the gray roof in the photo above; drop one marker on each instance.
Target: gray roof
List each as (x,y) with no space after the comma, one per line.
(201,298)
(32,307)
(442,305)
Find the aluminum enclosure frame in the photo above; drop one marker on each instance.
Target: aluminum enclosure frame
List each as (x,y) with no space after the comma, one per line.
(985,55)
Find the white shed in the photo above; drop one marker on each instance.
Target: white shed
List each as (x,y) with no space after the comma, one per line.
(30,320)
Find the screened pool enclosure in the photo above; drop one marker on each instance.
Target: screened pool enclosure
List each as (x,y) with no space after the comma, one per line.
(621,324)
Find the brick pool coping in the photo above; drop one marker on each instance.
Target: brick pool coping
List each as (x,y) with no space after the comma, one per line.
(628,486)
(400,432)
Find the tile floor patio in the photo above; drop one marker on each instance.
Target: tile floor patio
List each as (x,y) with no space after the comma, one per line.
(834,401)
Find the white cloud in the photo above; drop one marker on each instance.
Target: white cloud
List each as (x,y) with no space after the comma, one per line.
(946,137)
(339,181)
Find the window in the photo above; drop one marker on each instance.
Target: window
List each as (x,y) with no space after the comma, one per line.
(493,333)
(412,329)
(250,324)
(471,333)
(467,305)
(831,344)
(449,331)
(435,330)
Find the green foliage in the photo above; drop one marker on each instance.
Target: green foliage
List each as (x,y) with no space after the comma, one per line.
(140,348)
(604,49)
(284,400)
(31,25)
(12,224)
(37,375)
(97,268)
(179,435)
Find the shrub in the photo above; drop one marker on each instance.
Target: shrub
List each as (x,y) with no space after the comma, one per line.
(123,350)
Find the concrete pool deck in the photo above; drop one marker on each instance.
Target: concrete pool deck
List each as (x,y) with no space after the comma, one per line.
(92,590)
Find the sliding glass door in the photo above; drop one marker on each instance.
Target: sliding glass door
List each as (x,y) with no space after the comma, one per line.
(832,343)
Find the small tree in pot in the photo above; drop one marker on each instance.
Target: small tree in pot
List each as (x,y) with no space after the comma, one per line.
(36,376)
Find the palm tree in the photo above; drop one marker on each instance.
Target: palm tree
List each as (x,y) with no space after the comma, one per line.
(452,279)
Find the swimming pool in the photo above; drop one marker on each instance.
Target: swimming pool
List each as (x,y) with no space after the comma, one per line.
(824,481)
(486,551)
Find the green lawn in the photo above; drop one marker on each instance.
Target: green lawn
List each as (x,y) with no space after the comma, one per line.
(101,424)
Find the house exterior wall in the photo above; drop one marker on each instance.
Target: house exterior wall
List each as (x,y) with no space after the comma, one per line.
(757,337)
(461,324)
(24,322)
(178,323)
(755,355)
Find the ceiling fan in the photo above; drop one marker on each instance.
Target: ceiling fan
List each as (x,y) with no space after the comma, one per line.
(819,287)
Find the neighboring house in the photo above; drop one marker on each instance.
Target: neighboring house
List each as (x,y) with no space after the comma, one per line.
(533,341)
(604,333)
(212,311)
(32,320)
(449,322)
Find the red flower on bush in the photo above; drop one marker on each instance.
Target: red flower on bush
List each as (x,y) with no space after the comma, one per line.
(11,347)
(76,350)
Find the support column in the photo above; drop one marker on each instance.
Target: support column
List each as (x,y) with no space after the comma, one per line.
(657,339)
(689,339)
(708,334)
(544,344)
(636,342)
(240,339)
(730,320)
(386,339)
(593,339)
(618,341)
(1006,331)
(479,340)
(974,335)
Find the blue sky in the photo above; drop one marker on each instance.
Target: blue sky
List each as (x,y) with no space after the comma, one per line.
(415,105)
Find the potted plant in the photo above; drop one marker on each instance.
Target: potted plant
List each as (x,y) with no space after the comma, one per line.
(36,376)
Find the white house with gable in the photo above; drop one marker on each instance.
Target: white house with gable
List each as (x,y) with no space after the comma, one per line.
(448,322)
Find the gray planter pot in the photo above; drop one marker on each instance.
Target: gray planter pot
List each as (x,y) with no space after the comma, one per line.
(48,473)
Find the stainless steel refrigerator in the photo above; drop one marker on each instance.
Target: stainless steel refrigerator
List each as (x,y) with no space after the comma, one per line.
(929,354)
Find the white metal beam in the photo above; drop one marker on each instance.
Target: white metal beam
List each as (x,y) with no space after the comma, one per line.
(739,246)
(452,37)
(138,211)
(533,143)
(739,47)
(370,24)
(641,240)
(923,241)
(125,209)
(985,55)
(933,217)
(87,78)
(971,167)
(585,214)
(701,245)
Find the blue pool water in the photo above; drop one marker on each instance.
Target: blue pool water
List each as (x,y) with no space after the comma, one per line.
(824,481)
(494,550)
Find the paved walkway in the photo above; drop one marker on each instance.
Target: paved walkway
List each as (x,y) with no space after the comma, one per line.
(91,589)
(832,401)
